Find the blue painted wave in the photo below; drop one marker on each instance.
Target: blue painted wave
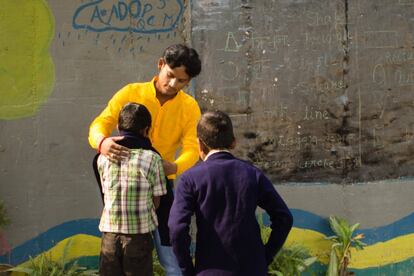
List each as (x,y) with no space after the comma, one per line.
(302,219)
(307,220)
(50,238)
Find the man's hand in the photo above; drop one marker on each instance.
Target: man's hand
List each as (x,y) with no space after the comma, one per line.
(169,167)
(112,150)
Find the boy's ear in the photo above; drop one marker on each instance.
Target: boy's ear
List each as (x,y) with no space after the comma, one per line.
(144,132)
(203,149)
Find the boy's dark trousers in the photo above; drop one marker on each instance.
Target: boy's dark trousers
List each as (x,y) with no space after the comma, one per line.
(126,255)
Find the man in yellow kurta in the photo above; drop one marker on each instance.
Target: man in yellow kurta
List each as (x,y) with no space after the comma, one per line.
(174,118)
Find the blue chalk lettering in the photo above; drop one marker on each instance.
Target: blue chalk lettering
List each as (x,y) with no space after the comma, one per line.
(96,16)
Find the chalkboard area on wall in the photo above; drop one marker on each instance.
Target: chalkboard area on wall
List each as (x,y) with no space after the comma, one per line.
(318,91)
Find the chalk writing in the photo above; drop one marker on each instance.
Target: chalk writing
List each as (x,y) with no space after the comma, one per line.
(337,164)
(259,66)
(348,163)
(274,164)
(230,72)
(264,43)
(277,113)
(231,43)
(404,77)
(379,75)
(139,16)
(330,85)
(315,19)
(400,75)
(350,80)
(312,113)
(326,60)
(298,142)
(406,2)
(378,133)
(318,39)
(269,43)
(398,57)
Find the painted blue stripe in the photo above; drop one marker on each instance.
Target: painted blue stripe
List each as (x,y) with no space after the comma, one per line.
(50,238)
(302,219)
(307,220)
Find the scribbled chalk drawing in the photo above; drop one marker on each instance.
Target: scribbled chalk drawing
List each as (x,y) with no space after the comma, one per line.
(138,16)
(26,68)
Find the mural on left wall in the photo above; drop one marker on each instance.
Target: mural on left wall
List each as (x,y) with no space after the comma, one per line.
(27,70)
(389,249)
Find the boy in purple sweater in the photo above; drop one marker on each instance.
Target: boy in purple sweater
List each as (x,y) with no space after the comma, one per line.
(224,192)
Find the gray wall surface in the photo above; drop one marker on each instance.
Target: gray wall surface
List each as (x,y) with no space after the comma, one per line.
(320,90)
(320,93)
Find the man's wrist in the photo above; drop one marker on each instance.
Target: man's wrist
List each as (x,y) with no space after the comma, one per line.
(100,144)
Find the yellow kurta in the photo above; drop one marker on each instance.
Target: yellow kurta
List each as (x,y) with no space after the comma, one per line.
(173,124)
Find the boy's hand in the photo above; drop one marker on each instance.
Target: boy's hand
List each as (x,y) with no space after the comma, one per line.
(169,167)
(112,150)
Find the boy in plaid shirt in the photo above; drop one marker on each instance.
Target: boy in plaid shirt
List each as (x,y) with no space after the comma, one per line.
(131,190)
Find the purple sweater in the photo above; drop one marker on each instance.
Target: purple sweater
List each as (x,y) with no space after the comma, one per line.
(224,193)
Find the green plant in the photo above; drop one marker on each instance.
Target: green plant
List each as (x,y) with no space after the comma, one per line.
(4,219)
(289,261)
(343,241)
(45,266)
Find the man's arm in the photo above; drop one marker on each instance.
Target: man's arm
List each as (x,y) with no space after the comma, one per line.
(179,225)
(103,125)
(157,178)
(189,152)
(280,216)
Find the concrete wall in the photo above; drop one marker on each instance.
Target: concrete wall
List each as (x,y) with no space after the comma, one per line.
(61,61)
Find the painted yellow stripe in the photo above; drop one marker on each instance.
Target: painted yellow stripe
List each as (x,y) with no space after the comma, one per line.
(82,245)
(314,241)
(392,251)
(384,253)
(379,254)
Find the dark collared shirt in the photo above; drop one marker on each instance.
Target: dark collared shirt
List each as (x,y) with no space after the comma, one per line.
(224,193)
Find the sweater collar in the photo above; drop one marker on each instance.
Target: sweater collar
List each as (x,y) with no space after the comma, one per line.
(133,140)
(219,154)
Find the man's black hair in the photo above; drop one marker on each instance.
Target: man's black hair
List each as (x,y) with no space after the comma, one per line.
(134,117)
(215,130)
(180,54)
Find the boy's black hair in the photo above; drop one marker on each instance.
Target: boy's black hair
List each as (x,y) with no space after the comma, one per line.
(180,54)
(215,130)
(134,117)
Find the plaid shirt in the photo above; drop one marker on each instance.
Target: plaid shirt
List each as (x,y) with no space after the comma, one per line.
(129,188)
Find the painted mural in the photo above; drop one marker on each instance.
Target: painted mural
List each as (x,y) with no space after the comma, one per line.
(389,249)
(27,70)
